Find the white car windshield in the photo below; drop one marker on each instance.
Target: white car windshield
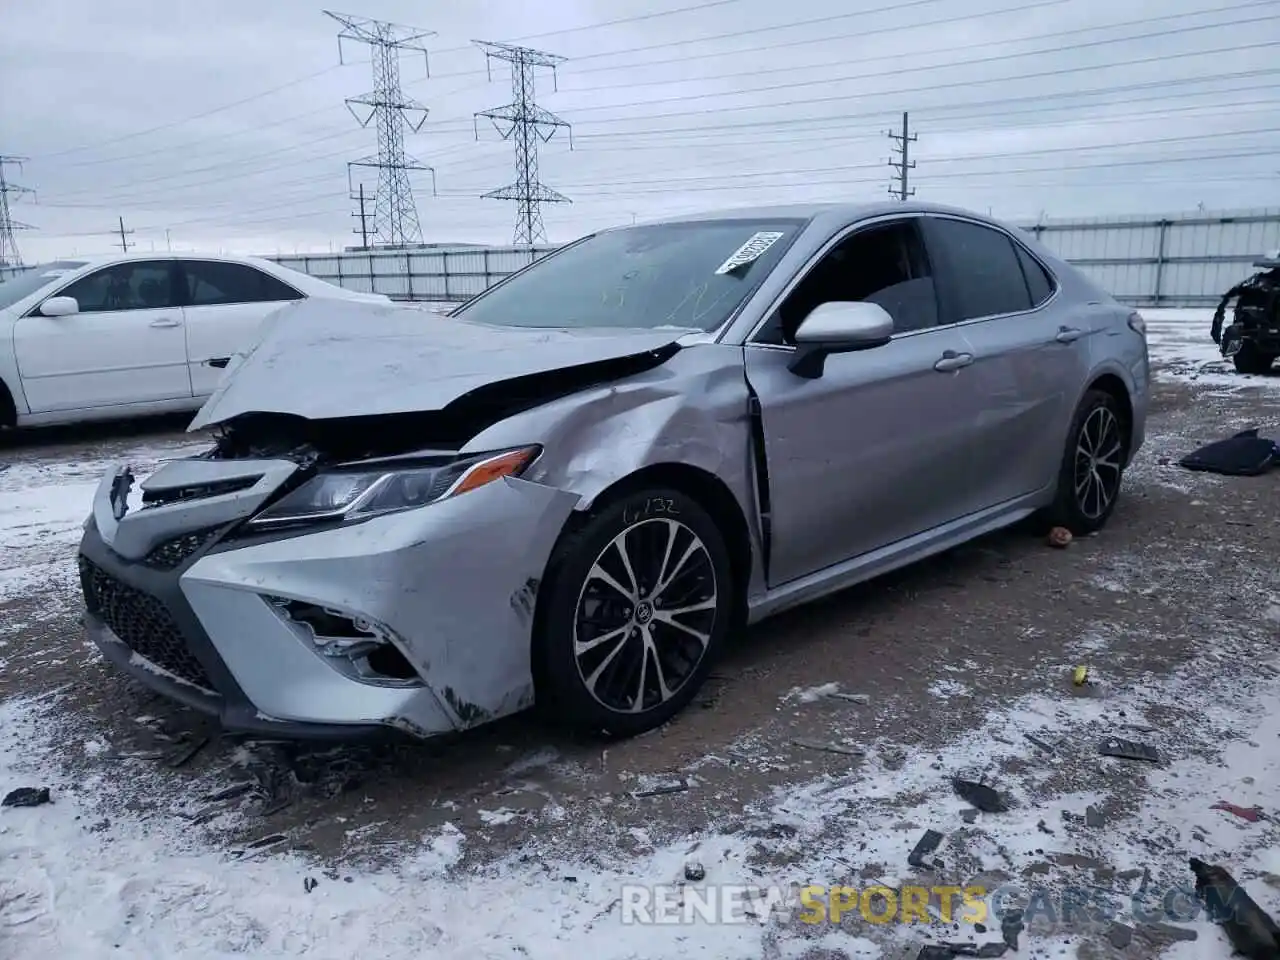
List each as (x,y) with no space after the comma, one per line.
(29,281)
(690,275)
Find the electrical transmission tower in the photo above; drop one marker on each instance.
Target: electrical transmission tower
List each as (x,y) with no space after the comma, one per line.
(395,215)
(904,164)
(9,255)
(523,121)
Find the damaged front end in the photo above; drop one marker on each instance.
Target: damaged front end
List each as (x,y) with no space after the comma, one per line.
(1255,313)
(337,576)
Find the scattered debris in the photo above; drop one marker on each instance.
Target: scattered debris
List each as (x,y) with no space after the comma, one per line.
(228,793)
(1059,537)
(26,797)
(1250,929)
(1252,814)
(850,697)
(309,884)
(675,786)
(1042,744)
(260,846)
(1080,676)
(1119,935)
(1169,931)
(184,754)
(927,844)
(694,872)
(1010,926)
(969,816)
(1093,817)
(1044,827)
(981,796)
(1128,750)
(828,747)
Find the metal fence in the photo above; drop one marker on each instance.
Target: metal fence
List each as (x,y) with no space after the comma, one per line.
(450,275)
(1174,261)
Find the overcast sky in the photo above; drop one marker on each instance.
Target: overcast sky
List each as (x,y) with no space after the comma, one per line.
(222,125)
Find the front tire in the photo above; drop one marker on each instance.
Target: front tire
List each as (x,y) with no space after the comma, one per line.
(1249,359)
(1092,465)
(637,603)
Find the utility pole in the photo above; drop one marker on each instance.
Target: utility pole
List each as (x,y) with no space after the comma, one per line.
(395,214)
(902,147)
(364,220)
(526,123)
(125,242)
(9,255)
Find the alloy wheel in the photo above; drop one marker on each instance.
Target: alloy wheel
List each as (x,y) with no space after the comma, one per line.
(1099,447)
(645,615)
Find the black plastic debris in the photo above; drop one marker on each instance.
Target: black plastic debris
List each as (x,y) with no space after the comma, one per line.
(309,884)
(1010,926)
(1119,935)
(926,845)
(679,785)
(1128,750)
(27,797)
(185,753)
(980,795)
(995,949)
(1093,816)
(828,747)
(1250,929)
(694,871)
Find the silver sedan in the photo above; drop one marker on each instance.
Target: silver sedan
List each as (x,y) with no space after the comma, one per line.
(579,487)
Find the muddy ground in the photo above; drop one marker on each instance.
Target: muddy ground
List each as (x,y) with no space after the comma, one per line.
(931,648)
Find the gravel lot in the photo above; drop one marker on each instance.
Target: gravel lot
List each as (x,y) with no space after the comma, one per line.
(1173,606)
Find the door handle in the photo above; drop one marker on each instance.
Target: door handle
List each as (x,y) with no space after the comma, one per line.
(164,322)
(953,361)
(1068,335)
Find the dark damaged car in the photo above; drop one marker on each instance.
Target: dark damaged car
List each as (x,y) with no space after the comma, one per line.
(578,487)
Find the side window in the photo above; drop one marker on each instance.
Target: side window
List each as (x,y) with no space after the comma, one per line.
(139,285)
(986,277)
(884,264)
(218,283)
(1038,280)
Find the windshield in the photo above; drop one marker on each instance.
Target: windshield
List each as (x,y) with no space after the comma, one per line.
(29,281)
(687,275)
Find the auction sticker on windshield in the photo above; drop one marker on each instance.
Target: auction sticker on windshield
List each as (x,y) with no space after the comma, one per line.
(753,249)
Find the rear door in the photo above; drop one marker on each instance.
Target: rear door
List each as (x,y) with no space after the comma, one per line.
(126,344)
(226,303)
(1030,353)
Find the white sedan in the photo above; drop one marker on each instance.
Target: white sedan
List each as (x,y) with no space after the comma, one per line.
(134,335)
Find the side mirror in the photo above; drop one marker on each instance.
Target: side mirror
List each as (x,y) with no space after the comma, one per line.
(838,326)
(59,307)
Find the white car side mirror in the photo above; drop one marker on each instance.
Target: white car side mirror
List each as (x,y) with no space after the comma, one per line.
(59,307)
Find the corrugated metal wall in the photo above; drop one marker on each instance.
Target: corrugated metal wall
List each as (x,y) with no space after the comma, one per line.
(451,275)
(1187,260)
(1182,260)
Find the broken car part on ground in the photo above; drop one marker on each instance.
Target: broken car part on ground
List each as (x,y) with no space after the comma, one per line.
(581,484)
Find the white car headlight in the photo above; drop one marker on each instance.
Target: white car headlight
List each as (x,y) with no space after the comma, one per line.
(348,494)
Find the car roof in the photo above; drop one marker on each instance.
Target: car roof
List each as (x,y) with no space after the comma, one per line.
(844,212)
(103,259)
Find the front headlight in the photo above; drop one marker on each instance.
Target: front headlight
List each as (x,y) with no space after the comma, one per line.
(349,494)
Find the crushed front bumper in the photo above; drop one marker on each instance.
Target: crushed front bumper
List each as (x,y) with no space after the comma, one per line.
(201,615)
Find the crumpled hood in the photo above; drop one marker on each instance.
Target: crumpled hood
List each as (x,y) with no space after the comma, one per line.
(323,360)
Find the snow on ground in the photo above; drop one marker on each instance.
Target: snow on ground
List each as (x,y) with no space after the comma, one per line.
(77,880)
(1179,341)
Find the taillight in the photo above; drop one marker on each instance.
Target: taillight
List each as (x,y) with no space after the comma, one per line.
(1137,324)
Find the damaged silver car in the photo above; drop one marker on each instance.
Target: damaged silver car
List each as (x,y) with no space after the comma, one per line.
(577,488)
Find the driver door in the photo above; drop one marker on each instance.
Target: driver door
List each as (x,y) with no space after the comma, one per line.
(126,345)
(875,450)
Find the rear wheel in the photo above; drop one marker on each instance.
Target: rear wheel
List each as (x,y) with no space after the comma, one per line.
(1250,359)
(1092,465)
(637,604)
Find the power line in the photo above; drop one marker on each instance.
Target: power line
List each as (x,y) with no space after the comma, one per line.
(395,215)
(528,123)
(902,147)
(9,254)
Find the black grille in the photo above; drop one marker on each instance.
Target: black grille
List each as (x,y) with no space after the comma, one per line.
(141,621)
(172,553)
